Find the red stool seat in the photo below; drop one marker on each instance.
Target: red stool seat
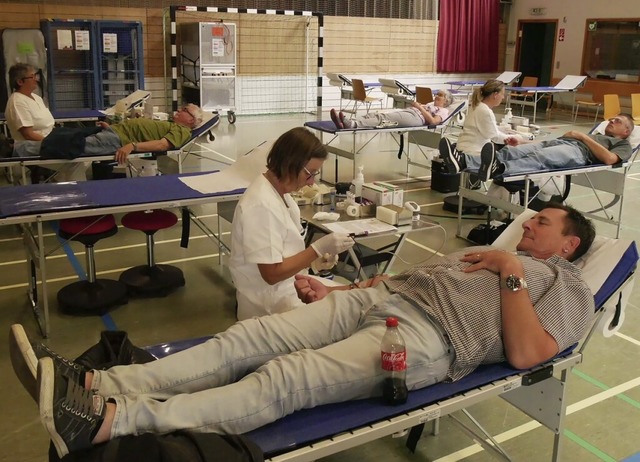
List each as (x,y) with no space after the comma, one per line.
(150,221)
(91,296)
(151,279)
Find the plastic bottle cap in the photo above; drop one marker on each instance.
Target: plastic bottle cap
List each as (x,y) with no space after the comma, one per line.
(392,322)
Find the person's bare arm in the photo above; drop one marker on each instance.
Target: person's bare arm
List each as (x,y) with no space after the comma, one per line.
(311,290)
(526,342)
(28,133)
(143,146)
(429,119)
(599,151)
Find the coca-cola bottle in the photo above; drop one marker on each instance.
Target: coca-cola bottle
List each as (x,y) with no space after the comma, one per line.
(393,354)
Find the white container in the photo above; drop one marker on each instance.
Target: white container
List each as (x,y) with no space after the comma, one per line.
(358,181)
(379,195)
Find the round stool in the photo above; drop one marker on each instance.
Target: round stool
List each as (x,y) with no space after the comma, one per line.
(91,296)
(151,279)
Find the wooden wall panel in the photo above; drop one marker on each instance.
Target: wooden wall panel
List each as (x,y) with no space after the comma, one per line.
(352,45)
(379,46)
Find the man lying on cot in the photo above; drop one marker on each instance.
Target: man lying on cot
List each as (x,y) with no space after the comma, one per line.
(534,305)
(142,135)
(415,116)
(573,149)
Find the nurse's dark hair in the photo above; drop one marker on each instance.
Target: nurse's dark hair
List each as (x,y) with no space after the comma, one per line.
(491,86)
(292,151)
(576,224)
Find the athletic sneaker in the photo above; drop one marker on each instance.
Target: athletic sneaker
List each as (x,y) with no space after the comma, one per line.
(489,165)
(347,123)
(336,119)
(24,359)
(454,161)
(71,414)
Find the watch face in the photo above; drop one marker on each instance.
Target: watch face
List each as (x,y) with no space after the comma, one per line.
(513,283)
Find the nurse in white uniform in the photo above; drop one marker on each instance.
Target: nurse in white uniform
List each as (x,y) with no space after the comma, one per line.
(29,118)
(267,241)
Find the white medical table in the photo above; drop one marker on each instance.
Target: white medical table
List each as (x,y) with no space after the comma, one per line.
(507,77)
(569,84)
(31,206)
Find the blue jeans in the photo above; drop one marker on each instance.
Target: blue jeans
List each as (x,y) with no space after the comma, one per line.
(535,157)
(264,368)
(104,142)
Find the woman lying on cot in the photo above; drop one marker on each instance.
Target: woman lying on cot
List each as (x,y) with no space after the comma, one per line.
(415,116)
(267,240)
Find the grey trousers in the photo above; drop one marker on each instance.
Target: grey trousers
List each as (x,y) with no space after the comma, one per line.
(264,368)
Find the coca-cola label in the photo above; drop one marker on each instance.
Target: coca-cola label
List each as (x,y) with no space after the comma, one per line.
(394,361)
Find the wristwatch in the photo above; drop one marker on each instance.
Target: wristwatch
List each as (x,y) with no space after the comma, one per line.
(513,283)
(135,147)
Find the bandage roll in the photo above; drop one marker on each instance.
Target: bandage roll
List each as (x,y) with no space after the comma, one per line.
(606,322)
(353,210)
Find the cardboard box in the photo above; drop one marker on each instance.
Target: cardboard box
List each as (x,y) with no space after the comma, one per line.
(379,195)
(398,192)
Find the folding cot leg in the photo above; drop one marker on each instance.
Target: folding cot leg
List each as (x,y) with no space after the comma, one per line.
(479,437)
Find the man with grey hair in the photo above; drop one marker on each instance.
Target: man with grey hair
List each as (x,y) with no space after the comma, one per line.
(416,115)
(131,135)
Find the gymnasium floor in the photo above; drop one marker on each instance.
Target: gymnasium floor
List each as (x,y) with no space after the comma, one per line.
(603,420)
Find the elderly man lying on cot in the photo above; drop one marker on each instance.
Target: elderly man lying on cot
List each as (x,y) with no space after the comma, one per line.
(573,149)
(416,115)
(131,135)
(534,305)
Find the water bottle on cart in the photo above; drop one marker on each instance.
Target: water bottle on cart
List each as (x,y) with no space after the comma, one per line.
(393,353)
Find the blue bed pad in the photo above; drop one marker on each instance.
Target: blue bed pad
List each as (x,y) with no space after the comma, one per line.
(79,114)
(104,193)
(310,425)
(538,89)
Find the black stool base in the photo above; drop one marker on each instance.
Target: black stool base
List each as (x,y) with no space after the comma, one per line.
(84,298)
(450,204)
(152,281)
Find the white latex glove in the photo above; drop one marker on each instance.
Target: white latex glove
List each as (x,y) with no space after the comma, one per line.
(326,262)
(333,244)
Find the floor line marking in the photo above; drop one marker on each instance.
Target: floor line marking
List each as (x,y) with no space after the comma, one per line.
(111,249)
(100,273)
(627,338)
(533,424)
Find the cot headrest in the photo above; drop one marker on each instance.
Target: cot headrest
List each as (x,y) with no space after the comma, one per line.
(596,265)
(207,117)
(634,138)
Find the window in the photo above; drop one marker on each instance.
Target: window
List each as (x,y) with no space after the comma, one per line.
(612,49)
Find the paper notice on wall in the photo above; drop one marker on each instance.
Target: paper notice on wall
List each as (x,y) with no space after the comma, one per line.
(82,40)
(217,47)
(110,43)
(65,39)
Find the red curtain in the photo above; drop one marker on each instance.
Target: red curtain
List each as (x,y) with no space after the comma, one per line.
(468,36)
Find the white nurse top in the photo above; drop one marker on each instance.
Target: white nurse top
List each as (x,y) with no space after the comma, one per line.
(480,127)
(23,111)
(264,230)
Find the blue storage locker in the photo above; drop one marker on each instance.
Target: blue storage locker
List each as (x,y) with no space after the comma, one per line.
(71,56)
(120,59)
